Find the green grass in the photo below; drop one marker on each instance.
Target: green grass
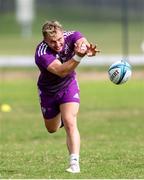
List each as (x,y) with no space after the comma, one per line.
(110,123)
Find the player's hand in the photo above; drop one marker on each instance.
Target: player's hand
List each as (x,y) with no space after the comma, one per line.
(80,49)
(92,50)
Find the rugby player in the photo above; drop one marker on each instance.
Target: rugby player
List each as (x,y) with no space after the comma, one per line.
(57,57)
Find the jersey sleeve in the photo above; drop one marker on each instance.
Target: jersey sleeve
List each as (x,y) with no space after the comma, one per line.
(43,55)
(46,60)
(76,36)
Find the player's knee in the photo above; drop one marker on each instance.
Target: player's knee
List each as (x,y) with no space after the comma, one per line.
(51,130)
(51,125)
(70,125)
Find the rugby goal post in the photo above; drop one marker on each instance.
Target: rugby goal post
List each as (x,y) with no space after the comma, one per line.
(25,16)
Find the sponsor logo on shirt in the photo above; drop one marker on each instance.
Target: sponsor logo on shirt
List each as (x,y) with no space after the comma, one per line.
(66,50)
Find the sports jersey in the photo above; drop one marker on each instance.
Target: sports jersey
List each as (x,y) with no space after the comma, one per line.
(48,82)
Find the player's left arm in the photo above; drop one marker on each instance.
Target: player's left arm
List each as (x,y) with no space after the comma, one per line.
(90,49)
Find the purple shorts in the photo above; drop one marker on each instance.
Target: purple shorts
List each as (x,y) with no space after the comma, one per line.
(50,104)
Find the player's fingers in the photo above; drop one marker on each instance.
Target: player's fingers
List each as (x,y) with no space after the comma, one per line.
(91,45)
(87,45)
(97,50)
(80,44)
(83,46)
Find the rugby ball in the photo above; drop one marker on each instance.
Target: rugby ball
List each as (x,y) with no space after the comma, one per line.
(120,72)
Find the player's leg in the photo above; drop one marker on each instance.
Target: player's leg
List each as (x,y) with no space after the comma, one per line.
(69,115)
(50,111)
(69,108)
(53,124)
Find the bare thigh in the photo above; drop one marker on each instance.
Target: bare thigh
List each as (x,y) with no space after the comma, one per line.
(69,113)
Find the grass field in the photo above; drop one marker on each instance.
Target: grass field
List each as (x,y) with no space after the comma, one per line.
(110,123)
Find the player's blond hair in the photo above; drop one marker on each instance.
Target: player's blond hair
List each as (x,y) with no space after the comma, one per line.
(50,28)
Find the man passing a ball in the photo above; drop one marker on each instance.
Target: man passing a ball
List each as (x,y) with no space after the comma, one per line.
(57,57)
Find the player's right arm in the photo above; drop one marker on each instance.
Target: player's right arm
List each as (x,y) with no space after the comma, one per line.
(62,70)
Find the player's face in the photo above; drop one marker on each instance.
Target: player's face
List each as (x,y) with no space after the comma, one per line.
(56,42)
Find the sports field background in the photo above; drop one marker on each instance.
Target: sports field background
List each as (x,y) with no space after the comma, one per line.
(110,123)
(110,118)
